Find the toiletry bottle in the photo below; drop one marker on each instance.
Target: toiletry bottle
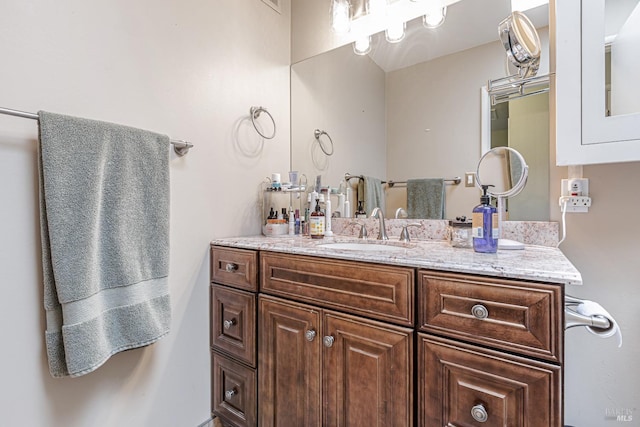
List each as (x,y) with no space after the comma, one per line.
(327,218)
(360,213)
(346,212)
(292,222)
(485,225)
(316,223)
(297,222)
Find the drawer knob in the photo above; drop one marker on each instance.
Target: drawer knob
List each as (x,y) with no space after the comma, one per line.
(479,413)
(230,393)
(310,335)
(229,323)
(328,341)
(479,311)
(231,267)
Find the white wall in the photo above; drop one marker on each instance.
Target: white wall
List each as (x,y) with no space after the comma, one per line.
(188,68)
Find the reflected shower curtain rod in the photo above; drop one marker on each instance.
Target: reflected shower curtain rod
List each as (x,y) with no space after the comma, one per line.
(180,147)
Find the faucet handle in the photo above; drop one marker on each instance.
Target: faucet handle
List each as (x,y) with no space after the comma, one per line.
(404,234)
(363,230)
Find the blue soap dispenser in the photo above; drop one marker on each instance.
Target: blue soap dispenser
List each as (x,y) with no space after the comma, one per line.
(485,225)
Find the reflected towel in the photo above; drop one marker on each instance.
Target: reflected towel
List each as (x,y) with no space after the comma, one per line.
(425,198)
(371,193)
(591,308)
(104,215)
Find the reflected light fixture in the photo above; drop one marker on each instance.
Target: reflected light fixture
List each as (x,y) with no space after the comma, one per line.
(362,46)
(395,32)
(341,19)
(434,17)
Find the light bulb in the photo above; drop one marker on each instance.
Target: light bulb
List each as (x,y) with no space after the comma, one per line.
(362,46)
(434,17)
(341,21)
(395,32)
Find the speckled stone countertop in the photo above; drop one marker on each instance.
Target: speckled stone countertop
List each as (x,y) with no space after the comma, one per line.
(538,263)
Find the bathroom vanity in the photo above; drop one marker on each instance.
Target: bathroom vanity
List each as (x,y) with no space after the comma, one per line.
(345,332)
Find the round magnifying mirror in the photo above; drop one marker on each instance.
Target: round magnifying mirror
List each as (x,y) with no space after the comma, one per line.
(521,42)
(506,170)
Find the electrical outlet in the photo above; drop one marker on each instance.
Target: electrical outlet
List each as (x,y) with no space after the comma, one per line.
(576,194)
(575,203)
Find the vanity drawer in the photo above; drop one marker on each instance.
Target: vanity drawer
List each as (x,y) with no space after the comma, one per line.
(234,267)
(233,392)
(371,290)
(515,316)
(464,385)
(233,323)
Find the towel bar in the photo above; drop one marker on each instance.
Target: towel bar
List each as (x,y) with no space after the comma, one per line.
(180,146)
(455,180)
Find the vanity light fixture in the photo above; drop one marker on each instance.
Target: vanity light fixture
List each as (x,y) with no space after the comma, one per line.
(395,32)
(434,17)
(362,46)
(340,14)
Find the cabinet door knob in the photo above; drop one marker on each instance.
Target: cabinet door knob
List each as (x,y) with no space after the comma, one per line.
(231,267)
(229,323)
(479,413)
(328,341)
(479,311)
(230,393)
(310,335)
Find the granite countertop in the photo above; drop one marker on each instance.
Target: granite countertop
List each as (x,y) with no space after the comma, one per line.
(538,263)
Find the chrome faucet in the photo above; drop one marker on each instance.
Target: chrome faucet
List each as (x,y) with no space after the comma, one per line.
(382,231)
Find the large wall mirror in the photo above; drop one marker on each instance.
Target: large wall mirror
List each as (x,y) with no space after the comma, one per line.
(415,110)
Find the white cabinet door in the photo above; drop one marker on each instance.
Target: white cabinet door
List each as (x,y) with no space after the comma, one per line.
(584,134)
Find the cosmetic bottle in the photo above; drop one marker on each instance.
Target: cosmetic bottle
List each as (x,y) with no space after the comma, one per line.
(316,223)
(485,225)
(346,212)
(327,218)
(292,222)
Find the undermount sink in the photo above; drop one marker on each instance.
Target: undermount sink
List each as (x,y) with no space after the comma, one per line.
(364,246)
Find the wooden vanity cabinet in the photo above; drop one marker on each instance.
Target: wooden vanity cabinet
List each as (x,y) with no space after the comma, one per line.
(321,367)
(489,352)
(311,341)
(232,326)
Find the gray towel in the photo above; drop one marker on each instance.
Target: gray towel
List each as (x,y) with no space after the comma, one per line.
(371,193)
(425,198)
(104,215)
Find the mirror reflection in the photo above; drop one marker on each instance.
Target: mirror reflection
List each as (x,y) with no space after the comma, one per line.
(413,121)
(622,62)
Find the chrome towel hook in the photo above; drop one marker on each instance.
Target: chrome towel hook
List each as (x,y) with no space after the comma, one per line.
(318,133)
(255,112)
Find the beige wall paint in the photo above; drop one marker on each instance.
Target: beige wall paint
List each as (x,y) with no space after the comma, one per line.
(603,245)
(190,69)
(348,103)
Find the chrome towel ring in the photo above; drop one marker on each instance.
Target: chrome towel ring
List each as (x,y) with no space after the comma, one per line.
(318,133)
(255,112)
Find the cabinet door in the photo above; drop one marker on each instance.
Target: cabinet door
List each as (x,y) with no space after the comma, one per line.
(584,133)
(463,385)
(289,371)
(368,373)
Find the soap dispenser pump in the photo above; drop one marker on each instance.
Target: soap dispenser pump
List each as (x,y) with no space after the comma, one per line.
(485,228)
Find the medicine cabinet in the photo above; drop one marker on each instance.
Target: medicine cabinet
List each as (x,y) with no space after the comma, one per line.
(597,104)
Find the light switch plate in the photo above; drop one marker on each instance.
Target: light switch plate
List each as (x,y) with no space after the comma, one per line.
(469,179)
